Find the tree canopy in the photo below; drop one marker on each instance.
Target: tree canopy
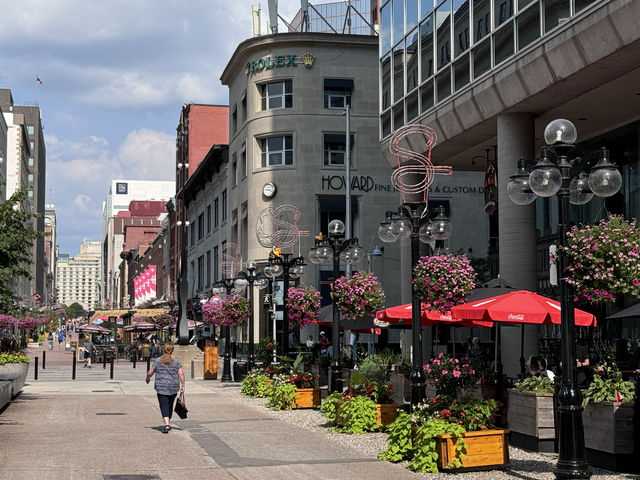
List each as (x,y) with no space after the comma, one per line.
(75,310)
(16,242)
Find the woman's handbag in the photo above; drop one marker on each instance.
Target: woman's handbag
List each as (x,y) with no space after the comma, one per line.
(181,409)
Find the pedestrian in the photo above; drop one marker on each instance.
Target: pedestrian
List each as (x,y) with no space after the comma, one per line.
(88,348)
(168,383)
(50,340)
(324,343)
(60,339)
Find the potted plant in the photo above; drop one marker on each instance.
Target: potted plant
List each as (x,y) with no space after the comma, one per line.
(358,295)
(257,383)
(282,394)
(233,311)
(379,391)
(531,414)
(14,365)
(608,420)
(265,351)
(442,281)
(307,394)
(303,305)
(603,260)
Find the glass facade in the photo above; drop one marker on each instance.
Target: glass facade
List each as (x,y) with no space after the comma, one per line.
(443,46)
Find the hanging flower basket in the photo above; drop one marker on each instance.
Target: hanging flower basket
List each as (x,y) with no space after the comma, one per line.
(358,296)
(603,261)
(27,323)
(303,305)
(7,321)
(443,281)
(162,320)
(233,311)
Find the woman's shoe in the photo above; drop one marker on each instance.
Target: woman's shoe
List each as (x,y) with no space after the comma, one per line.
(166,429)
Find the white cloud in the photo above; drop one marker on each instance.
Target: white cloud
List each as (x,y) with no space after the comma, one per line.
(147,154)
(81,202)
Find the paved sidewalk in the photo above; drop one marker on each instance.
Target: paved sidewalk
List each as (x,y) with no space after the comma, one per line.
(100,429)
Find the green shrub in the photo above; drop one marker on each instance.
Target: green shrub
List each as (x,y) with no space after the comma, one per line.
(256,384)
(358,416)
(330,406)
(13,358)
(535,383)
(604,388)
(282,397)
(399,440)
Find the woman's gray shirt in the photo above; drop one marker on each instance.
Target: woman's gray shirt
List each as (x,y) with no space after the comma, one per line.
(167,381)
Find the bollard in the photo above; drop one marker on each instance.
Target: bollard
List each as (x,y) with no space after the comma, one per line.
(73,369)
(148,363)
(104,359)
(44,358)
(193,364)
(35,371)
(111,370)
(135,357)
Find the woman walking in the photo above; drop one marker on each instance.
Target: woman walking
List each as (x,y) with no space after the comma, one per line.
(169,381)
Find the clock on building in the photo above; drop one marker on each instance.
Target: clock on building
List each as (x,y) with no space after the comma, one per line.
(269,189)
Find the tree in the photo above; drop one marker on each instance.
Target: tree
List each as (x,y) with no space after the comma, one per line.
(16,243)
(75,310)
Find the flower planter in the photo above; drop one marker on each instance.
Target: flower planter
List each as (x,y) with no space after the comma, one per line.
(608,436)
(485,449)
(307,397)
(386,413)
(16,373)
(531,420)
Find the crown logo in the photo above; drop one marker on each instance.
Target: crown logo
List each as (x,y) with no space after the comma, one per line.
(307,59)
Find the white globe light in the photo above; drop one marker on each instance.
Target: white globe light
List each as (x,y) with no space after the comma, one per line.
(424,234)
(336,227)
(251,264)
(313,256)
(356,254)
(579,192)
(605,179)
(261,283)
(385,233)
(560,131)
(401,227)
(545,179)
(325,254)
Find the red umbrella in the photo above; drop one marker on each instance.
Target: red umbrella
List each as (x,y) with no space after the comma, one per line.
(140,327)
(521,306)
(401,314)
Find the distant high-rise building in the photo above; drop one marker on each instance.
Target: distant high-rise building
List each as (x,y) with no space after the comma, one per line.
(120,196)
(50,254)
(3,158)
(26,166)
(78,278)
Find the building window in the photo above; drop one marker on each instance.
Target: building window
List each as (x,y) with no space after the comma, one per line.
(30,194)
(216,264)
(224,204)
(30,176)
(244,106)
(216,212)
(192,233)
(234,171)
(337,92)
(201,226)
(200,272)
(234,119)
(277,151)
(31,130)
(208,266)
(31,146)
(208,218)
(335,145)
(277,95)
(243,160)
(31,161)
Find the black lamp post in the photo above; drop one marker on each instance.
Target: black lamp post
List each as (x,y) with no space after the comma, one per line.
(289,267)
(182,325)
(252,278)
(227,285)
(335,249)
(414,220)
(568,180)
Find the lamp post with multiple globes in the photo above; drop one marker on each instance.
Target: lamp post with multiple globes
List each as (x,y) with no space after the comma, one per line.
(573,181)
(251,279)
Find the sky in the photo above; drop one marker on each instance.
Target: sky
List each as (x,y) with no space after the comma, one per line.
(115,74)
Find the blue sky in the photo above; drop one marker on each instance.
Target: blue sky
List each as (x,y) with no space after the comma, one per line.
(115,74)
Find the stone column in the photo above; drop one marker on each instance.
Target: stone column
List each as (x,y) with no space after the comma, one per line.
(517,231)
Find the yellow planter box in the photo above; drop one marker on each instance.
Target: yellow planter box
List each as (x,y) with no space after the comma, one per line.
(386,413)
(485,448)
(307,397)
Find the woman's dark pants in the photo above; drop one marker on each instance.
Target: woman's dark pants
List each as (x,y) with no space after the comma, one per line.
(166,404)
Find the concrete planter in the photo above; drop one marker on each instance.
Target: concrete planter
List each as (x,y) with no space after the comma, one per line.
(531,420)
(16,373)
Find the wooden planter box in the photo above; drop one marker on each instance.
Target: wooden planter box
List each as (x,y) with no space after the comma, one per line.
(307,397)
(485,449)
(386,413)
(531,420)
(608,436)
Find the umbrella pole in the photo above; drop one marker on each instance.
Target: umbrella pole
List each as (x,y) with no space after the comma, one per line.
(495,354)
(522,362)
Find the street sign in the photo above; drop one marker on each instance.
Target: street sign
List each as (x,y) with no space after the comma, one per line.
(215,299)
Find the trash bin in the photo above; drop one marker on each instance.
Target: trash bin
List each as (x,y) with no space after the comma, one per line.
(239,371)
(210,360)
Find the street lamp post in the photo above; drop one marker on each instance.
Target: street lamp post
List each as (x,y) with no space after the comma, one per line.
(250,279)
(335,249)
(289,267)
(415,220)
(227,285)
(569,182)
